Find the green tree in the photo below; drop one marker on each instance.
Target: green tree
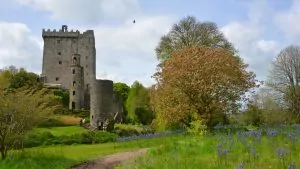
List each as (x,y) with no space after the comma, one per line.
(122,89)
(63,95)
(138,104)
(253,115)
(190,32)
(4,79)
(20,110)
(23,78)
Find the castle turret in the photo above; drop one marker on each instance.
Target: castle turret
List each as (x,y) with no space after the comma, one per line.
(76,84)
(101,102)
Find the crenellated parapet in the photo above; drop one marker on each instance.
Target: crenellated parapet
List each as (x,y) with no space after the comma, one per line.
(60,33)
(64,32)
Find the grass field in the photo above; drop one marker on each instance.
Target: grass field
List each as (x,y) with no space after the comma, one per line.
(61,157)
(261,148)
(254,149)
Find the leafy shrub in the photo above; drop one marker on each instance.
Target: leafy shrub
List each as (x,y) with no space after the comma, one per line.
(132,130)
(89,137)
(226,129)
(253,116)
(198,127)
(37,139)
(63,95)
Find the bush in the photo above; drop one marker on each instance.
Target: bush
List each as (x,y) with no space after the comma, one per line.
(63,95)
(198,128)
(253,116)
(132,130)
(38,139)
(226,129)
(89,137)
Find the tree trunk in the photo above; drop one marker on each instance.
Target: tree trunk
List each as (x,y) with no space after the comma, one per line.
(3,153)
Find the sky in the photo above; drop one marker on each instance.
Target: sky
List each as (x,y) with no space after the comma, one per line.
(259,29)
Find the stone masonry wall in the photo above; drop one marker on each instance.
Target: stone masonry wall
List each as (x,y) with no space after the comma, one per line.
(59,46)
(101,101)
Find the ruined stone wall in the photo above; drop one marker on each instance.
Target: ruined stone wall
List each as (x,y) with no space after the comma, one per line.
(101,101)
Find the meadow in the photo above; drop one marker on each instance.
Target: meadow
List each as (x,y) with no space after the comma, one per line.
(227,148)
(64,156)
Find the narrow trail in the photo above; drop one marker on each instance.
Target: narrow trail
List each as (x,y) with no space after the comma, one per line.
(108,162)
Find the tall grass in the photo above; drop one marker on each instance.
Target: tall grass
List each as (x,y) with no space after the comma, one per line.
(262,148)
(36,160)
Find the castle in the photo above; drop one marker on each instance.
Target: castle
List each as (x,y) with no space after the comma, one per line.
(69,61)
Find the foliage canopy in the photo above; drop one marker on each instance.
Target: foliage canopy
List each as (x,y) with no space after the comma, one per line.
(202,80)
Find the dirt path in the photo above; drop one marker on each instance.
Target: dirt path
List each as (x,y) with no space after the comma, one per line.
(108,162)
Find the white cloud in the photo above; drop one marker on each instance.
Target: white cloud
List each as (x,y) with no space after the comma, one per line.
(126,52)
(265,46)
(288,20)
(87,11)
(247,37)
(19,47)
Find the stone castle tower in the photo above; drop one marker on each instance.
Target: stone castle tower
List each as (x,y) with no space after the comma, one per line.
(69,61)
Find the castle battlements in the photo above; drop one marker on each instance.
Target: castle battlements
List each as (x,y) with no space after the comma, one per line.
(64,32)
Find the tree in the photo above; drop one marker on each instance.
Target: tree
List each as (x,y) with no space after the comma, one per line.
(20,110)
(269,103)
(138,104)
(285,77)
(23,78)
(210,83)
(122,89)
(63,95)
(190,32)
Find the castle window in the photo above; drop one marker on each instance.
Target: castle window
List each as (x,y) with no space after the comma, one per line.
(59,53)
(86,57)
(56,78)
(59,62)
(73,71)
(74,83)
(86,66)
(58,41)
(73,93)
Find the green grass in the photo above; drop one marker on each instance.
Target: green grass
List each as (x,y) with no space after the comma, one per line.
(61,157)
(59,131)
(35,160)
(194,152)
